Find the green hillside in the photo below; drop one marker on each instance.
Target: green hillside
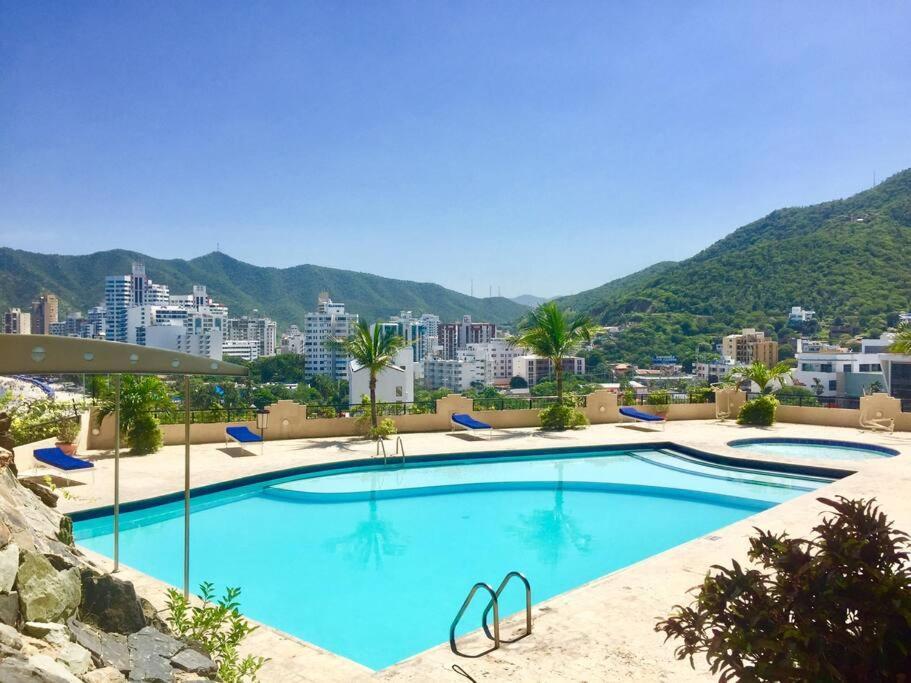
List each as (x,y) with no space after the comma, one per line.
(282,293)
(849,260)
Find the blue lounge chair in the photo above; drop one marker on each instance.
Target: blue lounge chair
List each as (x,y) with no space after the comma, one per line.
(57,458)
(466,421)
(242,435)
(639,416)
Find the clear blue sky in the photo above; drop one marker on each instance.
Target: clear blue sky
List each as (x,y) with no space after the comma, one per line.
(440,141)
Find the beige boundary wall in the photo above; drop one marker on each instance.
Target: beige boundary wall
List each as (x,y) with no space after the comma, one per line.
(288,420)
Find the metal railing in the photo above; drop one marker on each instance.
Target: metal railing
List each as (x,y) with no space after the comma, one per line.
(324,410)
(801,401)
(206,415)
(493,604)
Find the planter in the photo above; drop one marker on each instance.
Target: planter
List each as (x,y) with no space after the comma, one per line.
(68,448)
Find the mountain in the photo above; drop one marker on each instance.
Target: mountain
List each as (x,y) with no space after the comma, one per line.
(849,260)
(530,300)
(284,294)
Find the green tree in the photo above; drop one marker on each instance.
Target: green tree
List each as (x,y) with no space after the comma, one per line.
(763,375)
(902,343)
(373,350)
(554,334)
(143,398)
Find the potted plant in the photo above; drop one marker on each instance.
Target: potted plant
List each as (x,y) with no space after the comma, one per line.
(67,433)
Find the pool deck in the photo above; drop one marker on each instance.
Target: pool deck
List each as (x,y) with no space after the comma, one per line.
(602,630)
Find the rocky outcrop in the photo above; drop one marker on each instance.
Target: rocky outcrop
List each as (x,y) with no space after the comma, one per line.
(62,620)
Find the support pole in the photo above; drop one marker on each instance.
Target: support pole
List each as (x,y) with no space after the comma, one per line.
(186,490)
(116,472)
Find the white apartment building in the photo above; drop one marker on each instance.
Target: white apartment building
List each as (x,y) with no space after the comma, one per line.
(179,337)
(261,330)
(293,341)
(834,371)
(421,333)
(714,370)
(394,384)
(534,368)
(118,297)
(454,336)
(498,353)
(457,375)
(800,315)
(328,322)
(15,321)
(247,349)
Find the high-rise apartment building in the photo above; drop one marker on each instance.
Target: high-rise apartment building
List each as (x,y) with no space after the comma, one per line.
(256,329)
(44,313)
(293,341)
(498,353)
(17,322)
(750,346)
(454,336)
(328,322)
(118,297)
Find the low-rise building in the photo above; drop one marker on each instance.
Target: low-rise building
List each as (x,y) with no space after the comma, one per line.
(498,354)
(800,315)
(394,384)
(455,374)
(245,349)
(835,371)
(750,346)
(714,370)
(534,368)
(259,329)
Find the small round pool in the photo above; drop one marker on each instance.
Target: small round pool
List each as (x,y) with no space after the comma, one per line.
(819,449)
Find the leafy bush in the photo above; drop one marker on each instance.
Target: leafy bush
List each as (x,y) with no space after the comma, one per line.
(144,435)
(219,627)
(700,394)
(36,420)
(836,607)
(759,411)
(385,428)
(562,416)
(68,431)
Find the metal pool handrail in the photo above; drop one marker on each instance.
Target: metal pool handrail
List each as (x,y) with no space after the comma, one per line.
(400,443)
(499,592)
(496,620)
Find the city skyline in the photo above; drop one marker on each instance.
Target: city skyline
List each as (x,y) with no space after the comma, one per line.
(309,138)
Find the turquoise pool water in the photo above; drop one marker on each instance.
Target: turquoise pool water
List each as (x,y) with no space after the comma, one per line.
(373,563)
(815,449)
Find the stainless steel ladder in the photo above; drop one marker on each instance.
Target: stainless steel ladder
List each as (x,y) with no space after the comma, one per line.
(494,604)
(381,445)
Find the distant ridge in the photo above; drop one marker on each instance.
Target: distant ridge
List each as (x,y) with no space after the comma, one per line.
(530,300)
(284,294)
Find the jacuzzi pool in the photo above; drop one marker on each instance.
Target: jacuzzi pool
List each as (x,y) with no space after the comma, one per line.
(373,563)
(816,449)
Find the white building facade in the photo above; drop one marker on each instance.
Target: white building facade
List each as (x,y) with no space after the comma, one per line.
(534,369)
(329,322)
(456,374)
(394,384)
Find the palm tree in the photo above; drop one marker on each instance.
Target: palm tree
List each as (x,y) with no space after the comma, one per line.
(373,350)
(143,399)
(554,334)
(763,375)
(902,343)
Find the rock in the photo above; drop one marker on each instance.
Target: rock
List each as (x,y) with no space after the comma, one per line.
(44,593)
(75,658)
(47,496)
(9,567)
(43,629)
(152,669)
(152,640)
(194,662)
(53,671)
(10,637)
(151,616)
(5,534)
(110,603)
(108,649)
(9,608)
(106,675)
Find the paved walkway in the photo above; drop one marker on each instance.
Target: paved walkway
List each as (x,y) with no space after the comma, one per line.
(600,631)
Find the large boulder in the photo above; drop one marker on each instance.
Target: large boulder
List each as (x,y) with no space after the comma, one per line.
(46,594)
(9,608)
(108,649)
(9,567)
(110,603)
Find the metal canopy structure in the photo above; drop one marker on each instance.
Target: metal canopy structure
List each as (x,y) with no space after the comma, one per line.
(38,354)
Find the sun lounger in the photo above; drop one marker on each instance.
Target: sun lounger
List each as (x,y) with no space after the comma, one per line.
(639,416)
(877,423)
(466,421)
(242,435)
(57,458)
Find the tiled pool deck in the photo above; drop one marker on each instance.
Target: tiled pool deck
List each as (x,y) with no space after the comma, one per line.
(600,631)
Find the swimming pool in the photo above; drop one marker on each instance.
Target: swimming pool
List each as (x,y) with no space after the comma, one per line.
(373,563)
(818,449)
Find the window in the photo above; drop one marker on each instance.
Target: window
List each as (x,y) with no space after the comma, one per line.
(865,367)
(847,367)
(825,367)
(833,385)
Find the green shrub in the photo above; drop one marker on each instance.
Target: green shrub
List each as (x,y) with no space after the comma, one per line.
(219,627)
(385,428)
(559,417)
(834,607)
(700,394)
(760,411)
(68,431)
(143,435)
